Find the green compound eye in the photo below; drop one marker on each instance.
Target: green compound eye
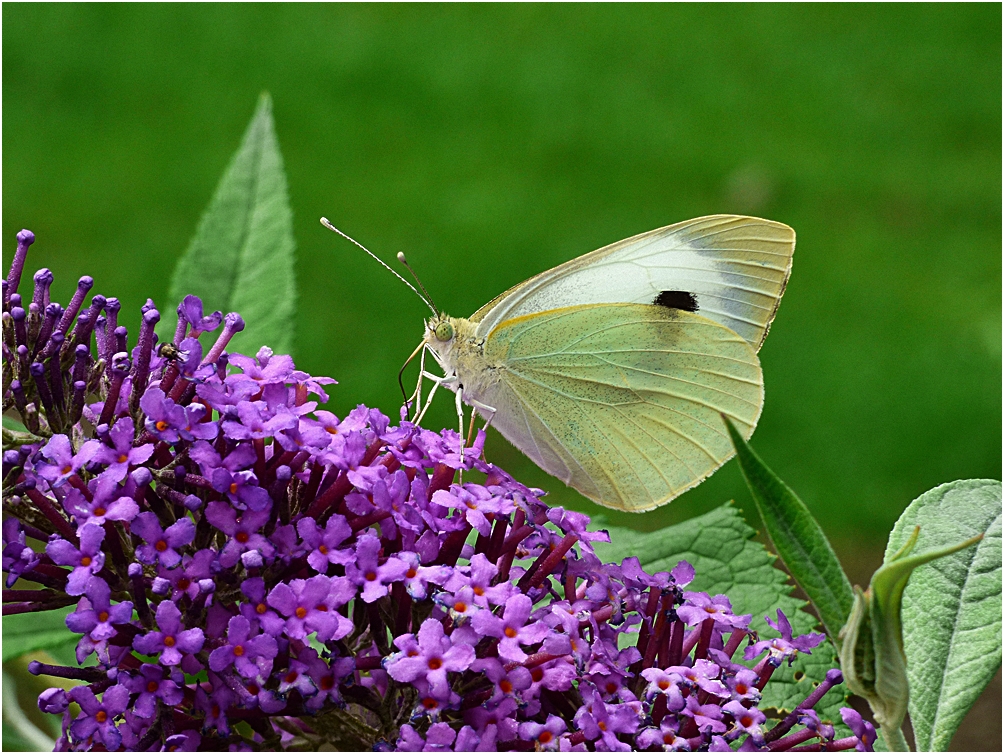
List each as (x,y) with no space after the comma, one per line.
(444,331)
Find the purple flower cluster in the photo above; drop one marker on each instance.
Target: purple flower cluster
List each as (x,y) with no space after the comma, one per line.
(253,572)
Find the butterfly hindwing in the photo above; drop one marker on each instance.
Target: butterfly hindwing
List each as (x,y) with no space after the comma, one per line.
(623,402)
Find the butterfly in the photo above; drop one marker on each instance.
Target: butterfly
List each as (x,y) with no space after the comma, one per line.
(612,371)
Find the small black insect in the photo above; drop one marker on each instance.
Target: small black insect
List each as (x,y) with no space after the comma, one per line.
(168,350)
(677,300)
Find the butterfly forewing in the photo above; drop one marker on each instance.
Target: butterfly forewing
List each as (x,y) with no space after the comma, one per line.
(735,267)
(623,402)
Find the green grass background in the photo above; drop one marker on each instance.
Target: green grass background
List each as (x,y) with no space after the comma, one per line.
(493,142)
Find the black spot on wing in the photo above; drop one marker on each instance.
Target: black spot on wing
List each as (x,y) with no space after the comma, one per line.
(677,300)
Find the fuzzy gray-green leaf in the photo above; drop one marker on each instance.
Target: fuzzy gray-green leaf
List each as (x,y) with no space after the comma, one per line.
(952,606)
(242,256)
(798,539)
(727,561)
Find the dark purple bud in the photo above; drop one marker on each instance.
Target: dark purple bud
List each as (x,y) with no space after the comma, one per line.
(18,392)
(160,586)
(79,392)
(54,701)
(20,331)
(112,307)
(81,360)
(141,366)
(207,586)
(99,333)
(43,279)
(82,333)
(38,372)
(179,472)
(149,306)
(56,379)
(24,239)
(193,502)
(142,476)
(73,308)
(22,359)
(135,569)
(232,324)
(11,457)
(52,314)
(55,343)
(182,326)
(119,370)
(221,365)
(121,339)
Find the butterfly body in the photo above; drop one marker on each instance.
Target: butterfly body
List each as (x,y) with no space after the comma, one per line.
(613,370)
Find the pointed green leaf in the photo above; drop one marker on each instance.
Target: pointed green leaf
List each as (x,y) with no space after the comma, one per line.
(951,611)
(726,561)
(798,539)
(28,632)
(242,256)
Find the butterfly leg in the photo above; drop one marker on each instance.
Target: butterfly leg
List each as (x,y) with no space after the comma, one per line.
(460,417)
(436,382)
(483,409)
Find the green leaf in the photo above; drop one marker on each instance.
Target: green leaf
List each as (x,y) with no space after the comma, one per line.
(28,632)
(951,611)
(242,256)
(727,561)
(798,539)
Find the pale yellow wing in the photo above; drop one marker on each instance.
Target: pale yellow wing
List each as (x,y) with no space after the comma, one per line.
(623,402)
(735,267)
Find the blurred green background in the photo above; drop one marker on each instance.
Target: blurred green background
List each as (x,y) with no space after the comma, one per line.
(493,142)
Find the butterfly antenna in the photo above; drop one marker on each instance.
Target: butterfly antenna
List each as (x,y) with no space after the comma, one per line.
(401,258)
(329,226)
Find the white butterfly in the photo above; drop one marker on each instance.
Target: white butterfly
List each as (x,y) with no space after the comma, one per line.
(611,371)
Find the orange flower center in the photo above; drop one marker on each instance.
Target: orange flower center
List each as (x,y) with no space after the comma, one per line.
(184,582)
(611,687)
(100,510)
(371,576)
(85,561)
(327,683)
(506,686)
(460,607)
(233,488)
(291,676)
(479,590)
(238,651)
(102,716)
(169,641)
(161,545)
(242,537)
(746,721)
(741,688)
(261,608)
(536,674)
(545,737)
(323,550)
(123,458)
(435,663)
(509,631)
(430,703)
(601,725)
(103,616)
(152,686)
(161,425)
(301,612)
(412,573)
